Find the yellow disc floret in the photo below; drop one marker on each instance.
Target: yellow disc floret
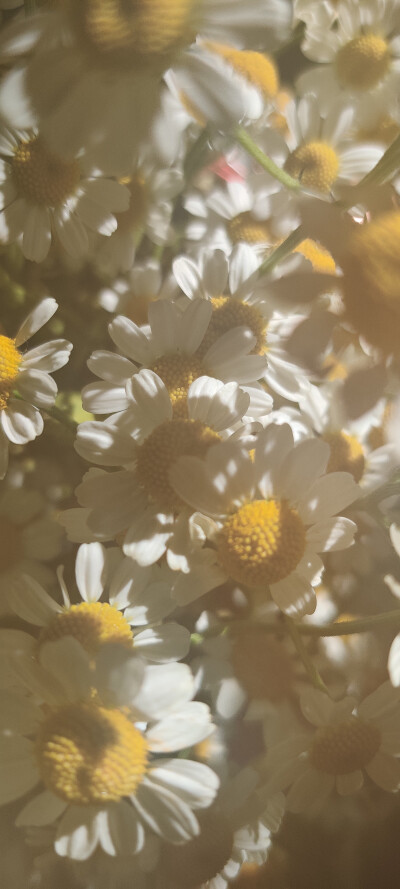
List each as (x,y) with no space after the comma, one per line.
(135,33)
(10,360)
(363,62)
(245,227)
(10,544)
(315,164)
(92,623)
(89,755)
(370,283)
(344,747)
(262,666)
(320,258)
(160,450)
(41,177)
(258,69)
(228,313)
(178,372)
(347,454)
(261,543)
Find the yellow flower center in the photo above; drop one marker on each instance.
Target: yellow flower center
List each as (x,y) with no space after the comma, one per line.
(160,450)
(135,33)
(262,666)
(41,177)
(89,755)
(10,360)
(343,747)
(245,227)
(10,544)
(363,62)
(320,258)
(135,216)
(371,271)
(315,164)
(347,454)
(195,863)
(262,542)
(178,372)
(92,623)
(258,69)
(229,313)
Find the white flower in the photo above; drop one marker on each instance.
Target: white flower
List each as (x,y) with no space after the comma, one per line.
(269,515)
(96,759)
(132,294)
(107,67)
(28,538)
(43,196)
(175,347)
(138,500)
(349,740)
(27,375)
(131,615)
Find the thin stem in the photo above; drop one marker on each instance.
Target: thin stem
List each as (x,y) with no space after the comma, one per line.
(338,628)
(389,163)
(287,246)
(293,630)
(244,139)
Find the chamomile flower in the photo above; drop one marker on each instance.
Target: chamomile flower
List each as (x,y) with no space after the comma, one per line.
(138,499)
(27,375)
(267,515)
(44,198)
(131,615)
(89,740)
(170,346)
(107,64)
(349,741)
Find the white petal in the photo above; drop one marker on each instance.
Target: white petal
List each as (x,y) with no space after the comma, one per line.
(347,784)
(41,810)
(40,315)
(332,534)
(162,644)
(165,813)
(327,496)
(294,596)
(32,603)
(21,422)
(164,690)
(196,784)
(90,569)
(78,833)
(37,234)
(182,729)
(385,771)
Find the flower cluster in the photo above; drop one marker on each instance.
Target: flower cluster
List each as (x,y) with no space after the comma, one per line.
(200,530)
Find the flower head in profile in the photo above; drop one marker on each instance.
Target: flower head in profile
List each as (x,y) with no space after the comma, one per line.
(90,740)
(268,514)
(25,382)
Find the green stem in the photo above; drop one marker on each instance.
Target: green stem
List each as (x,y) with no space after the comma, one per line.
(286,247)
(244,139)
(338,628)
(293,630)
(389,163)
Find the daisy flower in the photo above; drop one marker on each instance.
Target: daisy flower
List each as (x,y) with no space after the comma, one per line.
(43,197)
(89,739)
(170,346)
(267,515)
(359,50)
(107,65)
(131,615)
(138,500)
(132,294)
(28,376)
(28,538)
(349,740)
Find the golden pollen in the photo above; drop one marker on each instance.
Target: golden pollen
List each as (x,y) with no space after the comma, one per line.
(315,165)
(160,450)
(245,227)
(370,283)
(258,69)
(90,755)
(229,313)
(178,372)
(10,544)
(135,216)
(195,863)
(343,747)
(363,62)
(320,258)
(135,33)
(262,542)
(92,623)
(262,666)
(10,360)
(41,177)
(347,454)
